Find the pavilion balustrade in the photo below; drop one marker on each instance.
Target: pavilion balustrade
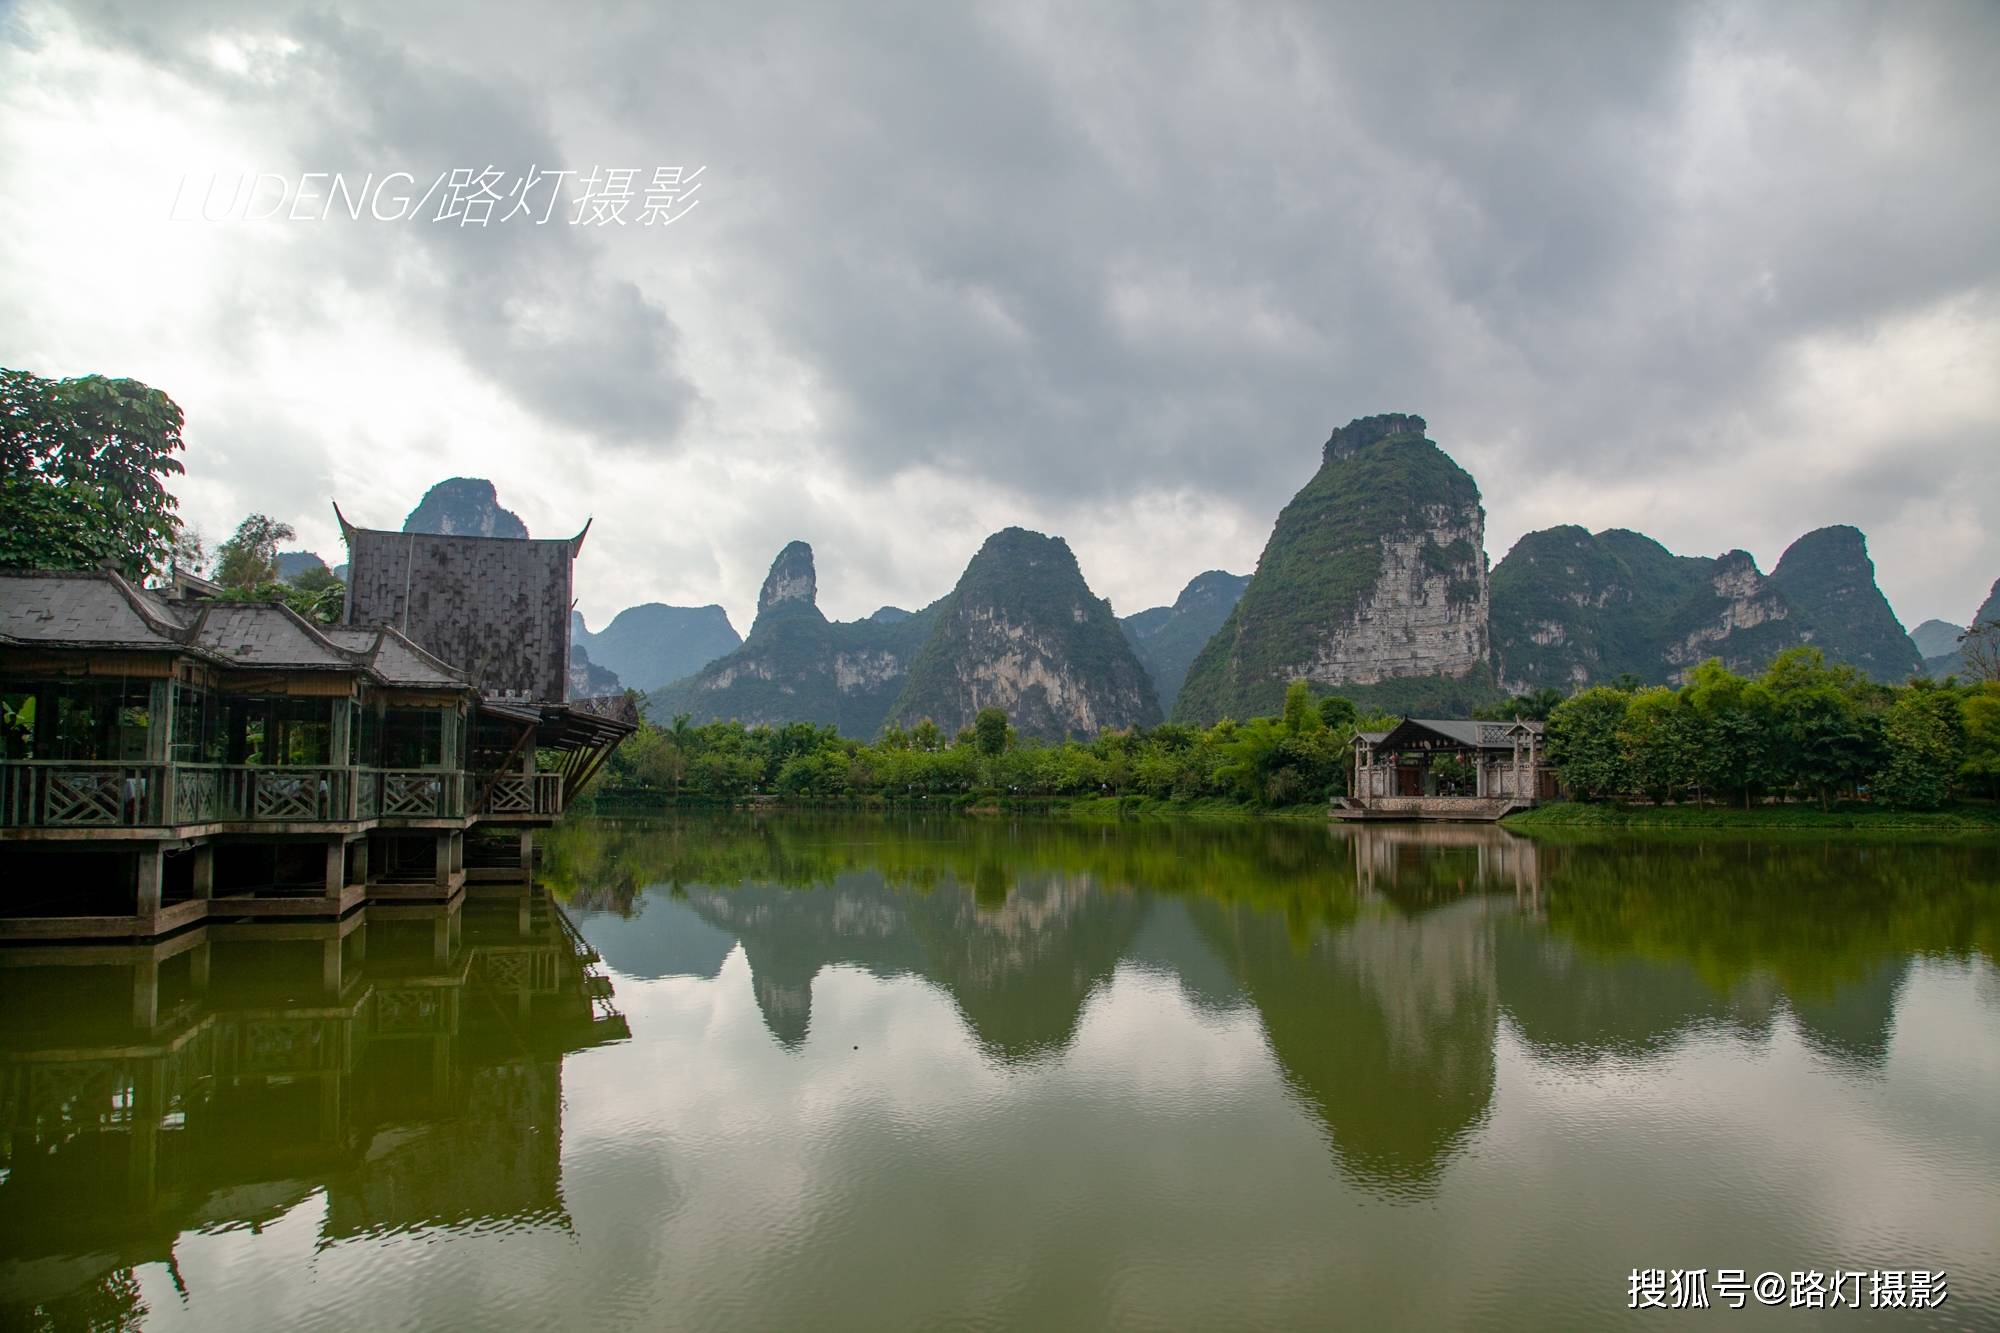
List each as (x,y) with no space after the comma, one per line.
(519,794)
(67,793)
(64,793)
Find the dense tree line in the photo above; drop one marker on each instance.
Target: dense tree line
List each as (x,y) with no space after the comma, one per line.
(1299,756)
(1802,730)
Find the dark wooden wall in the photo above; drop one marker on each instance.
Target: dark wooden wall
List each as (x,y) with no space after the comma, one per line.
(497,608)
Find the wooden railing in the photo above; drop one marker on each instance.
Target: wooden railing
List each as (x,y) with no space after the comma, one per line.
(418,793)
(57,793)
(519,794)
(60,793)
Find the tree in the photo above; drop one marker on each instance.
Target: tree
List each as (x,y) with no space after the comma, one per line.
(1337,712)
(1825,741)
(1979,714)
(989,731)
(1925,736)
(1734,757)
(83,468)
(1584,744)
(190,554)
(1301,713)
(249,559)
(1979,652)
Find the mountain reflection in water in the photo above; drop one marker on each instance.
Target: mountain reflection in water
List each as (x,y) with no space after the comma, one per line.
(1019,1073)
(1377,959)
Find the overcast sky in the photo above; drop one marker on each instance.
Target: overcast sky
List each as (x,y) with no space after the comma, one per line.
(1720,273)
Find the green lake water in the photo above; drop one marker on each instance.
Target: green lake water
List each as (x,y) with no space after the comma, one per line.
(794,1072)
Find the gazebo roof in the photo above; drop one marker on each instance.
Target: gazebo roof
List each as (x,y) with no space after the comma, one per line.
(1463,733)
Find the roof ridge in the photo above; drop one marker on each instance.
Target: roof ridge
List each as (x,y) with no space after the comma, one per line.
(172,629)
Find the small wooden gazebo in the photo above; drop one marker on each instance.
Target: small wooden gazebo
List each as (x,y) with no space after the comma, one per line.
(1445,768)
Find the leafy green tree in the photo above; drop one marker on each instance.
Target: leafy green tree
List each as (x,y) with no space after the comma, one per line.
(1301,713)
(1825,740)
(83,469)
(1979,715)
(1925,735)
(1337,712)
(249,559)
(1584,744)
(989,731)
(1664,737)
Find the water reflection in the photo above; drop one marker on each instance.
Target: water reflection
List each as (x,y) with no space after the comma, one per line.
(1379,960)
(1023,1072)
(404,1062)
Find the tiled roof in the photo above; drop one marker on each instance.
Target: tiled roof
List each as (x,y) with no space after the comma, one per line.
(269,634)
(83,609)
(1470,732)
(98,609)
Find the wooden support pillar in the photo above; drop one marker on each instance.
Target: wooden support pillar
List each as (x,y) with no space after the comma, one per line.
(336,868)
(441,940)
(146,993)
(361,859)
(204,870)
(444,859)
(331,966)
(527,853)
(441,1071)
(330,1089)
(152,869)
(148,1107)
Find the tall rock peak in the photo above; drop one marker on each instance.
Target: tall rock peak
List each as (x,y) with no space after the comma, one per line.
(464,507)
(791,579)
(1375,572)
(1023,632)
(1829,580)
(1364,431)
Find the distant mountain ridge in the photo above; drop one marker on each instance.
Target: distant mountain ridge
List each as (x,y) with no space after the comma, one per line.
(1167,638)
(1021,631)
(654,644)
(1572,608)
(1952,660)
(796,665)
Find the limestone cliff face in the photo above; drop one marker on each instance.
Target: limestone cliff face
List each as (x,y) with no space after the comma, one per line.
(796,665)
(792,579)
(1022,632)
(1375,572)
(1572,608)
(1427,614)
(1744,620)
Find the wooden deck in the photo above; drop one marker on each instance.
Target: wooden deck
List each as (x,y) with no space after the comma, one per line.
(1449,809)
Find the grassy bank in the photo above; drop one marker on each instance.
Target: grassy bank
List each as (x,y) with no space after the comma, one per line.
(971,804)
(1869,818)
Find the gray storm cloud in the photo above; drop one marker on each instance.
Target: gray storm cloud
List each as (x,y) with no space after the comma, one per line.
(1685,268)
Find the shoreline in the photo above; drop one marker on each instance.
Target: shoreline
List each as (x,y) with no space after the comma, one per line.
(1565,816)
(1579,816)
